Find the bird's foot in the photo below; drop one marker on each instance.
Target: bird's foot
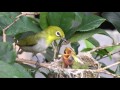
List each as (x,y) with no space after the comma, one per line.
(37,64)
(20,51)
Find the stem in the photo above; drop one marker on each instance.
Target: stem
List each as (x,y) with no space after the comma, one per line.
(58,48)
(107,55)
(103,47)
(6,28)
(55,49)
(102,69)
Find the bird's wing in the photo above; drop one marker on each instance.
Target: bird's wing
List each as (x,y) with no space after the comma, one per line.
(28,41)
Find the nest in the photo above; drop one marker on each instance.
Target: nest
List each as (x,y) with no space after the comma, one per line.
(58,70)
(63,67)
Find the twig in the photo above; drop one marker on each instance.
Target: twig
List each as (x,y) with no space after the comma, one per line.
(109,54)
(54,67)
(47,65)
(17,18)
(102,69)
(4,30)
(114,75)
(59,71)
(54,45)
(31,62)
(102,47)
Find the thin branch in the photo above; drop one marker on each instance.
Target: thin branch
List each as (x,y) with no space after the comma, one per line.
(6,28)
(31,62)
(47,65)
(17,18)
(54,67)
(114,75)
(109,54)
(102,69)
(102,47)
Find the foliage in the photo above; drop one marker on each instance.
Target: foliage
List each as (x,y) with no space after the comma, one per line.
(76,26)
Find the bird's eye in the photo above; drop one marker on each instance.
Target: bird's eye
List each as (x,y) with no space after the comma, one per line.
(58,34)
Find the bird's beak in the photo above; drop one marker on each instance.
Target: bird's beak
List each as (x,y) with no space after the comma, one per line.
(65,41)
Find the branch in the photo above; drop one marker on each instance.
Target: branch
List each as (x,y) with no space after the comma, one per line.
(106,72)
(24,61)
(5,29)
(109,54)
(102,47)
(59,72)
(17,18)
(114,75)
(102,69)
(55,66)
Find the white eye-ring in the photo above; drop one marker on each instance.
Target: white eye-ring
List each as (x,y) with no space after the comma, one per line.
(58,34)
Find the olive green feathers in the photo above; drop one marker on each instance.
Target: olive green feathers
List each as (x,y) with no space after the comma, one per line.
(40,41)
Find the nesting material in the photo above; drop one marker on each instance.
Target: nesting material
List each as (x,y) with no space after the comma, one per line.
(63,69)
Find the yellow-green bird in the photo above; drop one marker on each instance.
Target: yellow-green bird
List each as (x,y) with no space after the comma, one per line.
(41,41)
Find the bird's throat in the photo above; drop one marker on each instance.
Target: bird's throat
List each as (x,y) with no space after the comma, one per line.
(49,40)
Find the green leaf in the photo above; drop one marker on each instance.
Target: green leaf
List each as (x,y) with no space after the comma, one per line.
(114,18)
(102,53)
(10,71)
(86,49)
(104,65)
(85,35)
(71,22)
(30,69)
(43,20)
(78,18)
(88,44)
(112,48)
(93,41)
(90,22)
(22,70)
(107,51)
(65,20)
(75,45)
(7,18)
(24,24)
(7,54)
(75,24)
(118,69)
(54,18)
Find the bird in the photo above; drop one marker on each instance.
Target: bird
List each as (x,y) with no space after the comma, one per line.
(81,61)
(70,59)
(40,41)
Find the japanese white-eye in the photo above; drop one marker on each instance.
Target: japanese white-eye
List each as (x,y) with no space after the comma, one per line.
(42,40)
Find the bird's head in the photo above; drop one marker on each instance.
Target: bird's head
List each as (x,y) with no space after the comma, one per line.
(55,33)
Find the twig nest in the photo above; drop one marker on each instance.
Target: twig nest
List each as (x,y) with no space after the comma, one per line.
(73,73)
(63,68)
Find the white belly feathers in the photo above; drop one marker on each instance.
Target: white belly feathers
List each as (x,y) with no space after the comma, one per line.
(39,47)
